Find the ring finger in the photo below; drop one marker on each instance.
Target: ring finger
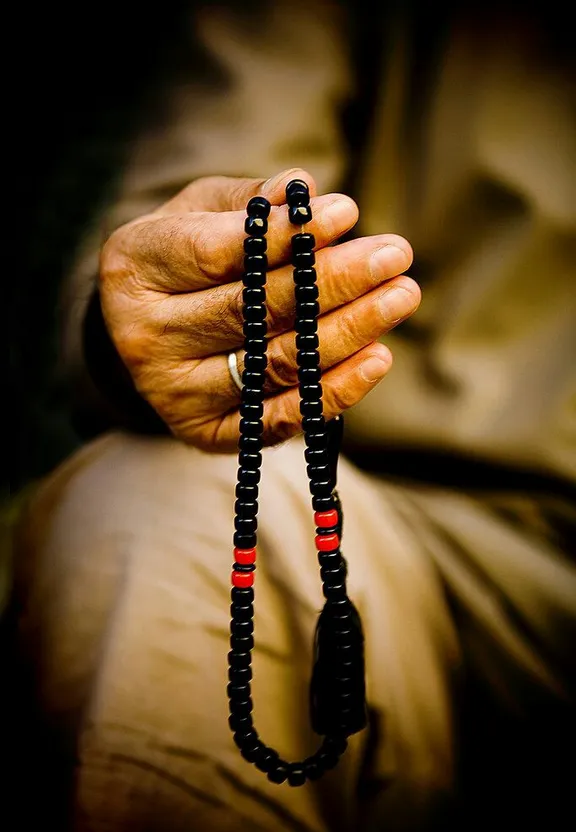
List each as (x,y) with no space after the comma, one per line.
(341,333)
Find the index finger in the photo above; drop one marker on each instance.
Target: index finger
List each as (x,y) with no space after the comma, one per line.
(185,253)
(226,193)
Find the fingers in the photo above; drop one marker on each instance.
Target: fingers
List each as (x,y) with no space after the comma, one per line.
(345,273)
(190,252)
(226,193)
(343,386)
(341,333)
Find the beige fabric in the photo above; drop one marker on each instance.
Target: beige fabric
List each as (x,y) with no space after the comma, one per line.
(129,552)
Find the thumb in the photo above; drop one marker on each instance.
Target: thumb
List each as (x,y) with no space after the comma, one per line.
(228,193)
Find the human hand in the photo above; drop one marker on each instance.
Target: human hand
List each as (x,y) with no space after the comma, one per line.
(171,294)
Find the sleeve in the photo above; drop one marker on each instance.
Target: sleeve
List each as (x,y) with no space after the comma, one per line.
(266,94)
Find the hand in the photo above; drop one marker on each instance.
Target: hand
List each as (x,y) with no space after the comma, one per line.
(171,296)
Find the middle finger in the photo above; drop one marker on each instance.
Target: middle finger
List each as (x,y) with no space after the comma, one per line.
(210,322)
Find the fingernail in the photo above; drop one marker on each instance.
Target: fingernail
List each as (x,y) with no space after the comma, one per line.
(398,301)
(374,368)
(387,259)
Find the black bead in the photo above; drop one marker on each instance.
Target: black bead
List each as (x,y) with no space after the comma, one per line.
(248,476)
(242,595)
(333,591)
(256,226)
(247,496)
(251,427)
(255,263)
(249,460)
(240,675)
(322,503)
(306,294)
(242,643)
(307,342)
(237,660)
(321,488)
(316,456)
(306,326)
(319,473)
(335,745)
(311,769)
(242,612)
(251,410)
(311,392)
(328,529)
(255,346)
(296,776)
(244,541)
(330,560)
(254,279)
(308,359)
(253,379)
(244,739)
(254,294)
(254,313)
(241,628)
(296,185)
(278,773)
(240,724)
(308,309)
(239,692)
(266,759)
(317,441)
(241,707)
(333,574)
(310,408)
(313,424)
(252,445)
(244,567)
(298,196)
(258,206)
(251,754)
(299,214)
(255,361)
(303,242)
(255,245)
(327,759)
(304,277)
(254,329)
(253,394)
(245,525)
(303,259)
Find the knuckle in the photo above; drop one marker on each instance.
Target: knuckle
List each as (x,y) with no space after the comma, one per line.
(280,372)
(348,329)
(340,397)
(280,427)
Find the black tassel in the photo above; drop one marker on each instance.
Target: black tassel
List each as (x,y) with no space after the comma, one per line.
(338,689)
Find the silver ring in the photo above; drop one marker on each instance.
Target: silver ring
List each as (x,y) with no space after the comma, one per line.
(233,368)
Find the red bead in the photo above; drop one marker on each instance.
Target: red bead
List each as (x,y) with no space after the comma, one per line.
(327,542)
(326,519)
(242,579)
(244,556)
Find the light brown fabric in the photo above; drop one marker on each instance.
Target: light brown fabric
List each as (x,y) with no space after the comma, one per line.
(129,553)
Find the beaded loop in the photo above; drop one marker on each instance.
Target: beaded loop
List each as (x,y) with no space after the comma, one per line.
(340,713)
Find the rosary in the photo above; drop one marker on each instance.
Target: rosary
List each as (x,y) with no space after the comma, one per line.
(337,688)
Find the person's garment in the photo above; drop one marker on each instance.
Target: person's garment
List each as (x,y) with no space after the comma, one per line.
(467,147)
(125,564)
